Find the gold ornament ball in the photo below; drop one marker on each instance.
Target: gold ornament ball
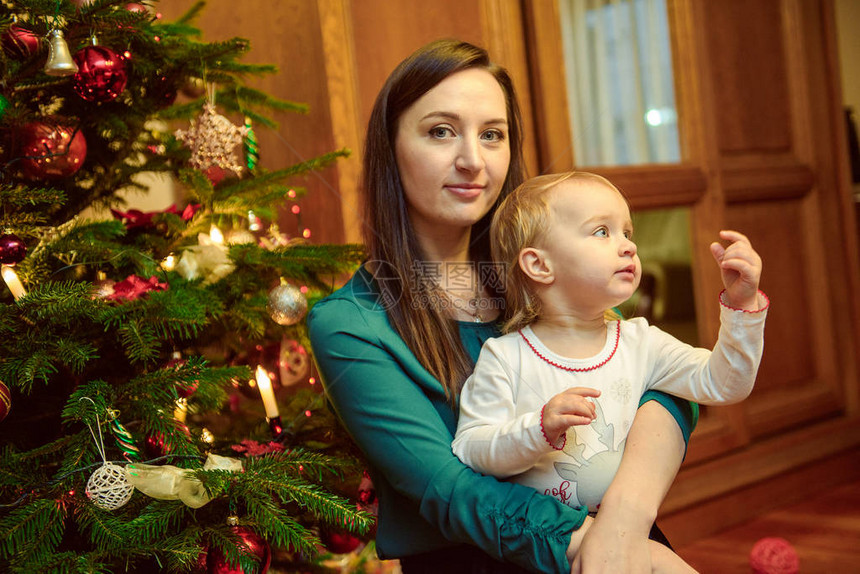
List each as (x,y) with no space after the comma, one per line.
(287,305)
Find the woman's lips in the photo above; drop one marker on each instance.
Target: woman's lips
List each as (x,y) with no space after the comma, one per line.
(465,190)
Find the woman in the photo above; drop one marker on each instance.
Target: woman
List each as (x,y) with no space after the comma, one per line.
(396,342)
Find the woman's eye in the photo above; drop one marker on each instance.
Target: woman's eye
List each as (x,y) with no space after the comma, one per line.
(440,132)
(493,136)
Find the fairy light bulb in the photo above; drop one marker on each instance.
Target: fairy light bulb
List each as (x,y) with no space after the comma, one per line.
(169,262)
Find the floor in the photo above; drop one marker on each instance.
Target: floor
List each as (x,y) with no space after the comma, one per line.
(825,533)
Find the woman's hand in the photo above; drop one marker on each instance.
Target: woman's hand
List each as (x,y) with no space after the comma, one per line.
(618,538)
(614,543)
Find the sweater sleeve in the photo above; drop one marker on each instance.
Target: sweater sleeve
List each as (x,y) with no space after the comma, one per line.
(491,437)
(403,436)
(725,375)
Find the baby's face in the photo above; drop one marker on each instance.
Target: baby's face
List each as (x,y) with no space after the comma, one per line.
(589,245)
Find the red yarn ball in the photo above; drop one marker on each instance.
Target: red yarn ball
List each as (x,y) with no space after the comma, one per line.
(12,249)
(51,149)
(256,545)
(101,74)
(20,43)
(5,400)
(774,556)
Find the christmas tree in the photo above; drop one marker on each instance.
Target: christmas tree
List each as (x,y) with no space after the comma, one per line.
(139,350)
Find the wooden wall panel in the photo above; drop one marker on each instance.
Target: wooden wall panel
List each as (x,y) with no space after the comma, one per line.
(385,32)
(771,227)
(751,98)
(286,34)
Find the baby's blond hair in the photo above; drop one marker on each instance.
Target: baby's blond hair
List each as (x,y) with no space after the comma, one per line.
(521,221)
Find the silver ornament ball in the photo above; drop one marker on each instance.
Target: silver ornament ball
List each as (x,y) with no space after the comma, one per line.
(287,305)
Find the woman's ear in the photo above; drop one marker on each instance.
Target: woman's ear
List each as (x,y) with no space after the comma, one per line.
(536,266)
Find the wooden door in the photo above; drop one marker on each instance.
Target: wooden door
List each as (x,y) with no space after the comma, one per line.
(763,152)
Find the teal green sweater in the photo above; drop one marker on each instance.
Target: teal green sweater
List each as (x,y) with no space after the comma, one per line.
(398,415)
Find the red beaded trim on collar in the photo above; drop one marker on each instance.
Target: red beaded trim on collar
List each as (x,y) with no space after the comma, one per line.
(760,292)
(573,369)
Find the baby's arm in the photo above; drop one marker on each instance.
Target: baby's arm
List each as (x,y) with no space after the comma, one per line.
(727,374)
(500,431)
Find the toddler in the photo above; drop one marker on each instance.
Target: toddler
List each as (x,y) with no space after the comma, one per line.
(550,403)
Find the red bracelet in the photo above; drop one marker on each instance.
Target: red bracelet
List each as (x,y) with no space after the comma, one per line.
(760,292)
(543,431)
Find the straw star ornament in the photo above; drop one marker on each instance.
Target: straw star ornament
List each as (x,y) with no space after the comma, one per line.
(214,141)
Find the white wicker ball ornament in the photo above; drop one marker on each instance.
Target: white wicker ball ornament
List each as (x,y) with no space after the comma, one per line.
(108,487)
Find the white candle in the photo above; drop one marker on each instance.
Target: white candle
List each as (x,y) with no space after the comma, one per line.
(215,235)
(12,281)
(264,383)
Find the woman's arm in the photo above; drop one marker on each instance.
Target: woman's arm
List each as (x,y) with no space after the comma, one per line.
(370,382)
(618,539)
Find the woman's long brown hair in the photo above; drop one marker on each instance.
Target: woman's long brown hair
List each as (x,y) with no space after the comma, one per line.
(394,251)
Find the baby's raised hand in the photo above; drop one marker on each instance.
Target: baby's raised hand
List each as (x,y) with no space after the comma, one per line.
(740,267)
(566,409)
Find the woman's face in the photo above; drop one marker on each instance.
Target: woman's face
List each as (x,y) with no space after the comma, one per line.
(453,152)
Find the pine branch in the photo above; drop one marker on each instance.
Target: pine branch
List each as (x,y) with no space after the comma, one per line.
(103,528)
(66,563)
(277,474)
(300,261)
(276,524)
(235,553)
(24,371)
(31,532)
(62,304)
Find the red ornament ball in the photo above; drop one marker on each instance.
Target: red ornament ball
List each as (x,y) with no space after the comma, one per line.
(162,89)
(156,446)
(20,43)
(135,7)
(12,249)
(215,174)
(774,556)
(5,400)
(183,389)
(339,542)
(101,74)
(256,545)
(51,149)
